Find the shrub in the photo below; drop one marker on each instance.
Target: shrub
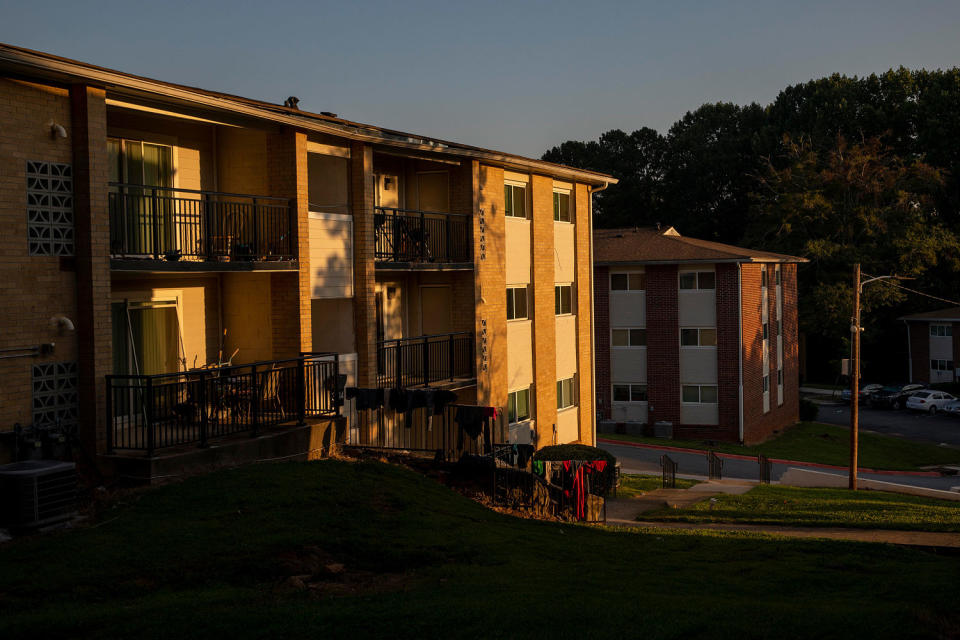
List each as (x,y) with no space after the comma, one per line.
(562,452)
(808,410)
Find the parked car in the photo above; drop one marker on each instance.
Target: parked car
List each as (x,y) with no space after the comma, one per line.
(953,408)
(929,400)
(893,396)
(866,392)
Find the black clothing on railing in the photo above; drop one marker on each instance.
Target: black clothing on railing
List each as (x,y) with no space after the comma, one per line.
(366,398)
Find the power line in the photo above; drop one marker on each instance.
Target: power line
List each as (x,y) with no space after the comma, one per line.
(919,293)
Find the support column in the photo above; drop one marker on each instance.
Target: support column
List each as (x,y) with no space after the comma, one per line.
(489,259)
(92,229)
(663,344)
(585,316)
(543,261)
(364,268)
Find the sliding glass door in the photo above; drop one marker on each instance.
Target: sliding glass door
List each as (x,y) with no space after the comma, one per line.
(144,216)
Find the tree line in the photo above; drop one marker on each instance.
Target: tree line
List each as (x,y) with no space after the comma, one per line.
(838,170)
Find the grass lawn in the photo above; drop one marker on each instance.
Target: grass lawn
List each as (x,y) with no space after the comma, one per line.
(827,444)
(822,507)
(634,485)
(212,557)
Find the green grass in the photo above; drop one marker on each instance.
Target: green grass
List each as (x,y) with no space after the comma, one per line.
(635,485)
(826,444)
(208,558)
(793,506)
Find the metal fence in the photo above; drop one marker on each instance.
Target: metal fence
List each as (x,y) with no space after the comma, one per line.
(407,235)
(162,223)
(149,412)
(410,362)
(765,466)
(575,494)
(668,472)
(714,466)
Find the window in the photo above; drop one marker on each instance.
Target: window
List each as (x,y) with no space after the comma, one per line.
(518,405)
(629,338)
(698,337)
(766,331)
(699,393)
(566,393)
(515,201)
(561,207)
(562,295)
(49,209)
(516,303)
(766,383)
(628,281)
(629,393)
(941,365)
(763,276)
(780,377)
(941,330)
(777,274)
(698,280)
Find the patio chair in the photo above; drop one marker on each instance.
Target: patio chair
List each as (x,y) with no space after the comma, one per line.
(270,391)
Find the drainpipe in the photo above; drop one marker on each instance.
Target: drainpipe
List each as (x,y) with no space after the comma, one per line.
(740,341)
(593,315)
(909,354)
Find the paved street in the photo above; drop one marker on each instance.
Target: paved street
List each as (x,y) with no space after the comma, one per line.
(643,460)
(903,423)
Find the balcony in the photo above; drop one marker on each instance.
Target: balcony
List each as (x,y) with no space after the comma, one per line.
(408,239)
(184,228)
(151,412)
(410,362)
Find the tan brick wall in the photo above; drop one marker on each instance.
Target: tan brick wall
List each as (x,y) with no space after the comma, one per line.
(287,178)
(491,282)
(242,161)
(35,287)
(584,286)
(544,316)
(91,172)
(364,271)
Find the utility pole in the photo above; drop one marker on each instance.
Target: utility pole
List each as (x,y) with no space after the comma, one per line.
(855,377)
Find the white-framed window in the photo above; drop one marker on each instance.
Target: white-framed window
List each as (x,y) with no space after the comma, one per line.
(763,276)
(776,271)
(698,394)
(941,331)
(629,392)
(517,303)
(518,405)
(561,206)
(690,280)
(779,377)
(563,299)
(628,281)
(566,393)
(699,337)
(766,330)
(514,200)
(629,337)
(941,365)
(766,383)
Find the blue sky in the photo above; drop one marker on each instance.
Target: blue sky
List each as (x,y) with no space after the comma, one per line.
(515,76)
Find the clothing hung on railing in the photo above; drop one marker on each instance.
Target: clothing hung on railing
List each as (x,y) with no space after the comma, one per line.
(522,454)
(580,486)
(367,398)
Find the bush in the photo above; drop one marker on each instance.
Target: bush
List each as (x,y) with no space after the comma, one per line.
(808,410)
(562,452)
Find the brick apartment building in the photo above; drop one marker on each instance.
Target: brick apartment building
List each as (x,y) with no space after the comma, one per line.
(931,350)
(697,334)
(166,235)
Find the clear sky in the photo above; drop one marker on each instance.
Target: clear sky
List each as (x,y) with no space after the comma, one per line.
(515,76)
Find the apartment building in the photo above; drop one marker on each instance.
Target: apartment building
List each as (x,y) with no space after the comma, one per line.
(698,336)
(931,349)
(182,266)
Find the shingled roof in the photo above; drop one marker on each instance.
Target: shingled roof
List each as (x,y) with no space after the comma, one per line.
(943,315)
(648,245)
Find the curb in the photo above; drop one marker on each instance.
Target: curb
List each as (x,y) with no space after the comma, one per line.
(793,463)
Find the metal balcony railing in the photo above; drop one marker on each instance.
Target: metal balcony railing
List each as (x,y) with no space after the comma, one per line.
(410,362)
(162,223)
(425,237)
(149,412)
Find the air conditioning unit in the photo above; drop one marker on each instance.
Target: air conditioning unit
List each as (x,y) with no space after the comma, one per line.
(34,493)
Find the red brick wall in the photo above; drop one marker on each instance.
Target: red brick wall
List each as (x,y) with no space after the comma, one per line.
(663,344)
(601,316)
(728,351)
(920,350)
(759,426)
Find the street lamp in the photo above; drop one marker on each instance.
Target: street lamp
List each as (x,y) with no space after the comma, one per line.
(856,330)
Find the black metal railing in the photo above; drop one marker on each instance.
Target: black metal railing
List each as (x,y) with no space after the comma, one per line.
(162,223)
(765,466)
(149,412)
(406,235)
(668,472)
(714,466)
(410,362)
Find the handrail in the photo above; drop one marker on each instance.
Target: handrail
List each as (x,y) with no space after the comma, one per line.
(425,212)
(420,338)
(126,185)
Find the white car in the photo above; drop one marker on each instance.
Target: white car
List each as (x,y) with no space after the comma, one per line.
(953,408)
(929,400)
